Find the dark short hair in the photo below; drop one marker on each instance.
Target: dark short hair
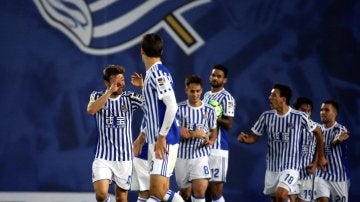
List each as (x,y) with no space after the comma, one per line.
(193,79)
(302,100)
(222,68)
(111,70)
(333,103)
(285,91)
(152,45)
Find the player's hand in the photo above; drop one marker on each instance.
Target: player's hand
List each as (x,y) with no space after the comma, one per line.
(208,142)
(184,133)
(137,80)
(344,135)
(322,163)
(199,133)
(160,147)
(242,137)
(311,168)
(137,148)
(113,88)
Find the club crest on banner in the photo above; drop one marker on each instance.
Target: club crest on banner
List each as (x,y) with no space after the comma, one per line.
(102,27)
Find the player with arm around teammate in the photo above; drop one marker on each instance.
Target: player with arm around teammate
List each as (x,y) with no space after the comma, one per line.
(309,157)
(113,111)
(283,126)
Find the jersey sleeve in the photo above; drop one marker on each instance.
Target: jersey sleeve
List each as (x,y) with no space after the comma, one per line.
(93,97)
(143,125)
(228,106)
(163,85)
(309,124)
(137,100)
(259,125)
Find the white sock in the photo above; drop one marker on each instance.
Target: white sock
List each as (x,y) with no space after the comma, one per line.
(172,196)
(139,199)
(220,199)
(197,199)
(153,199)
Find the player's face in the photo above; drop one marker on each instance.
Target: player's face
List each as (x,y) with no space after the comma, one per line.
(306,108)
(119,80)
(327,113)
(194,91)
(217,78)
(276,101)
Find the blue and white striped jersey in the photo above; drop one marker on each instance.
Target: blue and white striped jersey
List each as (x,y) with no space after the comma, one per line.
(308,146)
(192,118)
(283,142)
(336,154)
(227,102)
(158,83)
(113,122)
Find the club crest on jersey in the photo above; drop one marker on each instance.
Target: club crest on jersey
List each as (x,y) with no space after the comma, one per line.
(103,27)
(204,116)
(123,108)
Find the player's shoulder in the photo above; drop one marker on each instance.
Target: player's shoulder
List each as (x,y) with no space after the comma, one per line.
(207,105)
(182,103)
(159,68)
(226,96)
(340,126)
(269,112)
(298,112)
(132,95)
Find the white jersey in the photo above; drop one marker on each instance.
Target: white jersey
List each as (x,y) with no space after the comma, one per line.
(336,154)
(284,133)
(227,102)
(158,83)
(192,118)
(113,122)
(308,145)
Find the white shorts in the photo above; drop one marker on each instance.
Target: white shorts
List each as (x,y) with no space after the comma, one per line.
(218,163)
(118,171)
(140,175)
(337,191)
(306,189)
(287,179)
(187,170)
(163,167)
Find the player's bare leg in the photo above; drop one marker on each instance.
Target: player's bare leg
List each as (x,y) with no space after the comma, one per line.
(121,194)
(159,185)
(199,187)
(101,188)
(216,189)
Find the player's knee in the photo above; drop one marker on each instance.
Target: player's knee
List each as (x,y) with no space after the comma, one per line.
(281,194)
(199,190)
(216,189)
(158,190)
(101,196)
(185,194)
